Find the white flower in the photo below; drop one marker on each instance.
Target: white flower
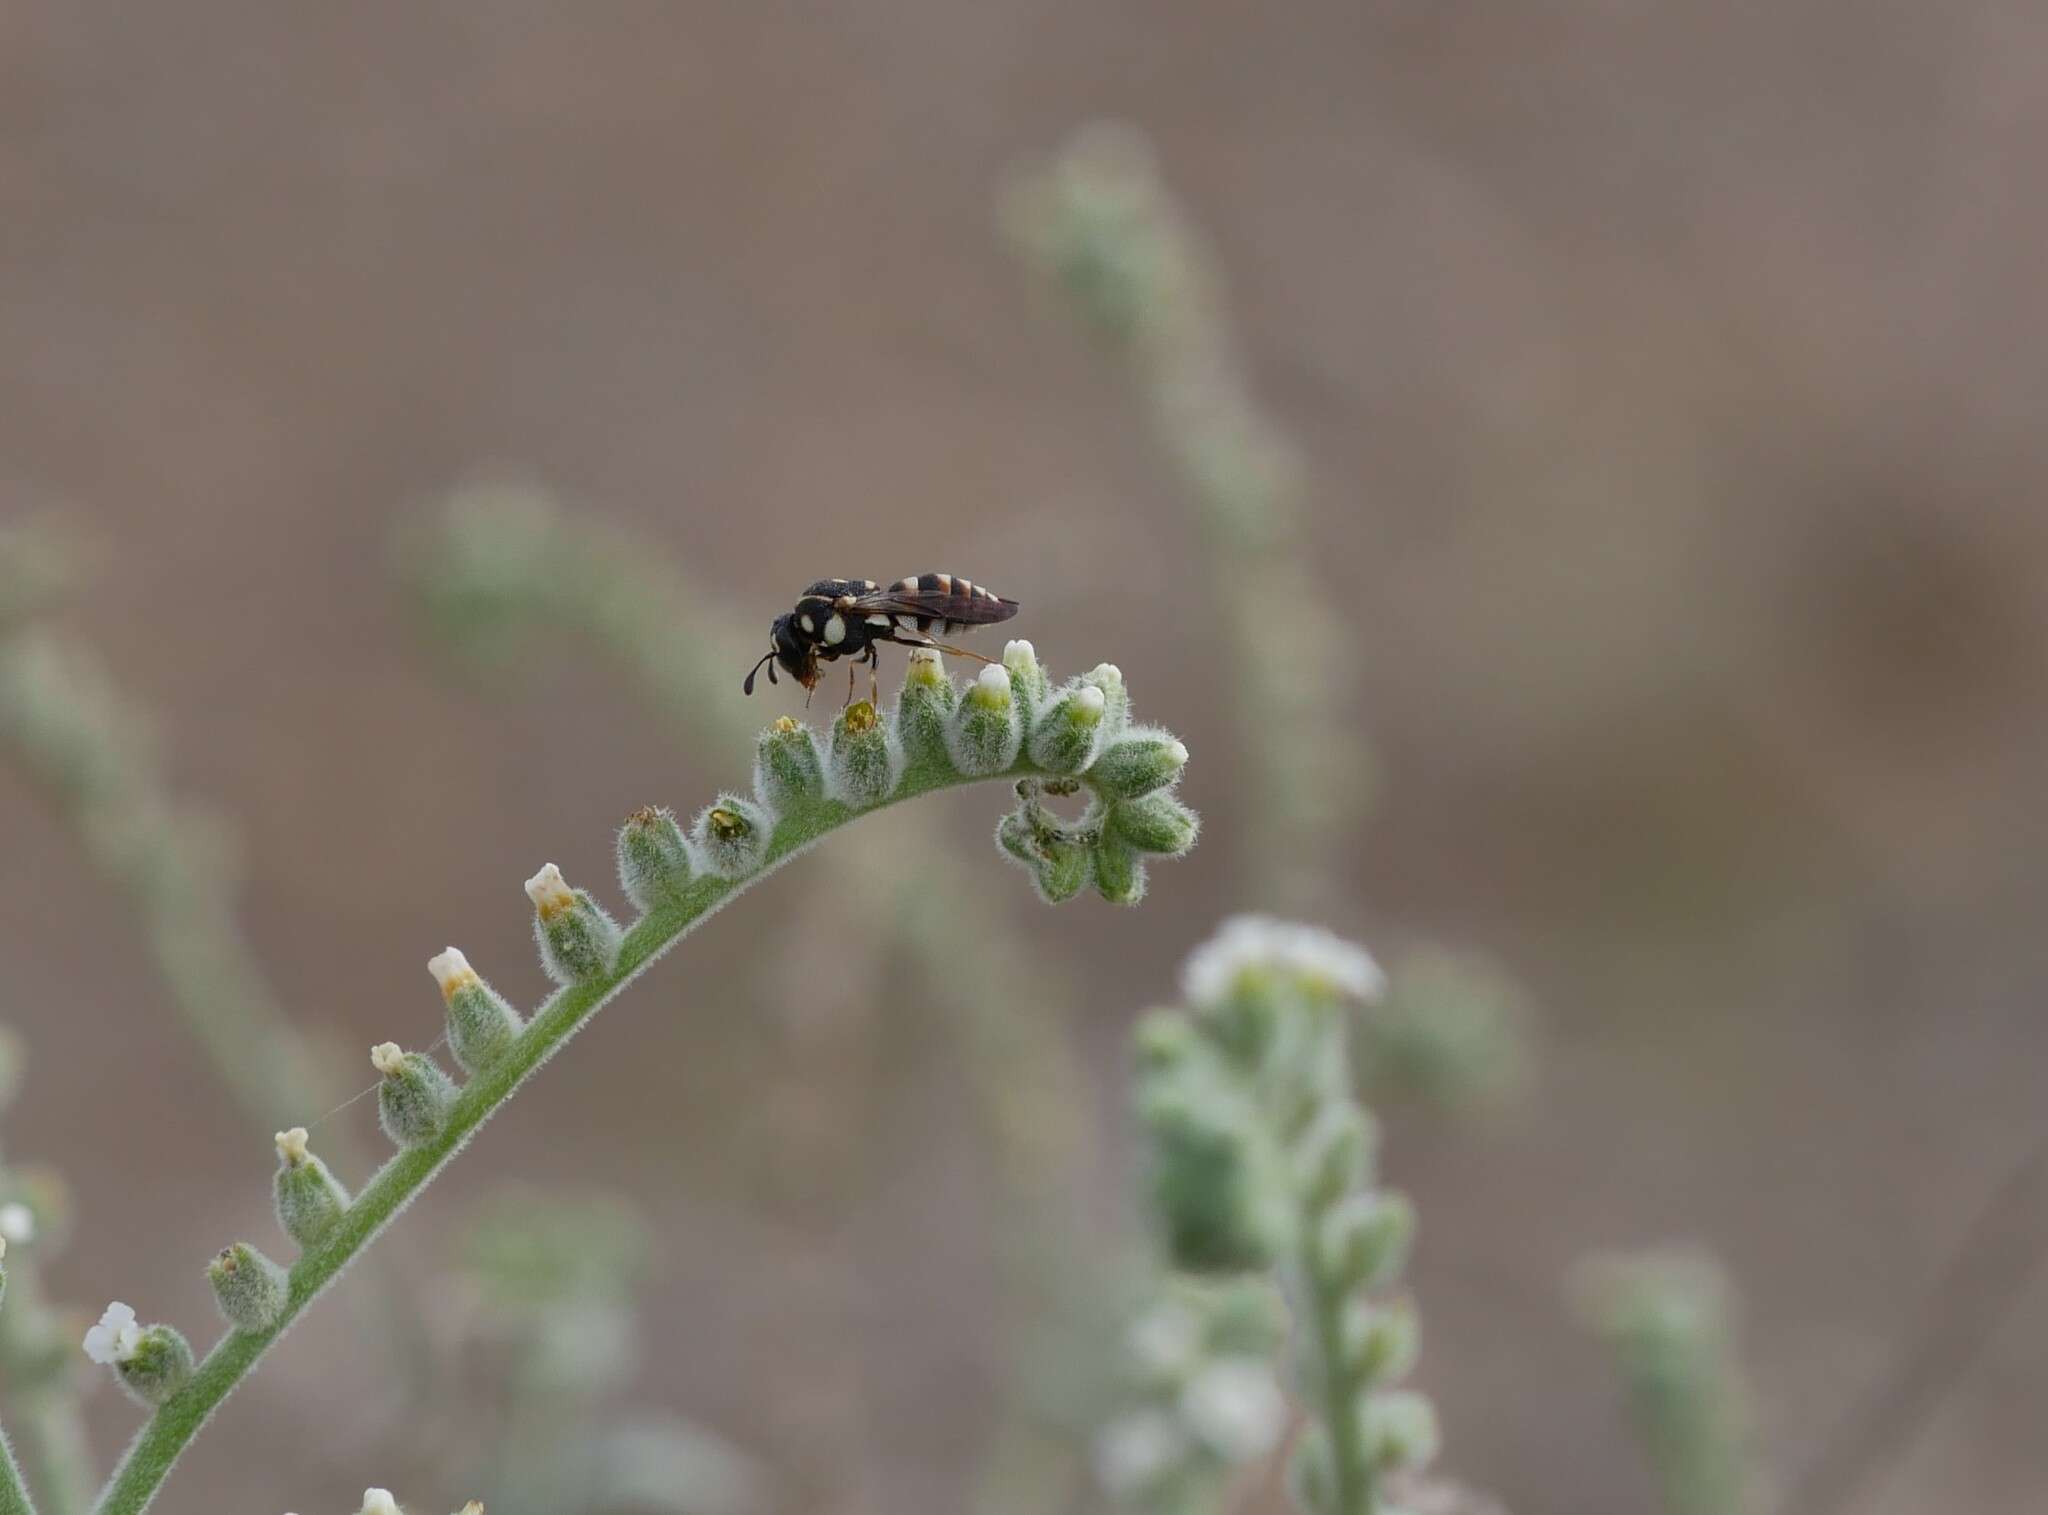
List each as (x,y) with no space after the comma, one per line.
(1135,1452)
(1090,700)
(291,1145)
(1234,1406)
(549,892)
(116,1338)
(994,684)
(1019,654)
(380,1502)
(451,970)
(387,1058)
(17,1222)
(1257,941)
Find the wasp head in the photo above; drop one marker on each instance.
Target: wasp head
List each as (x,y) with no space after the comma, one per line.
(799,659)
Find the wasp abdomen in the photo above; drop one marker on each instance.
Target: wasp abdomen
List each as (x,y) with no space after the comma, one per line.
(956,603)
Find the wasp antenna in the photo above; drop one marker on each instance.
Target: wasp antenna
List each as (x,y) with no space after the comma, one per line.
(748,686)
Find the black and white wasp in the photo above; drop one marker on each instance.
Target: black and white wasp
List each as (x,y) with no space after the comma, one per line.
(850,618)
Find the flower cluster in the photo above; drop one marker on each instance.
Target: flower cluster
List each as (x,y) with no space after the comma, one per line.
(1201,1395)
(1010,723)
(1262,1164)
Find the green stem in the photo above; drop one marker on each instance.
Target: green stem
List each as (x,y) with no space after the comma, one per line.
(14,1498)
(149,1458)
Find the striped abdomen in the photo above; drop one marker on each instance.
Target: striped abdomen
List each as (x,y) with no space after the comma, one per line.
(945,603)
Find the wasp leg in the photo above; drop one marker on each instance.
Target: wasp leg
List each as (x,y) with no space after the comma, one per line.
(849,684)
(930,645)
(874,679)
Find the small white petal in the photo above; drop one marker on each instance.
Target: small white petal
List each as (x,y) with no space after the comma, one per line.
(451,970)
(1236,1408)
(387,1058)
(291,1145)
(115,1338)
(1020,650)
(1091,699)
(1179,753)
(17,1222)
(994,680)
(1257,941)
(380,1502)
(548,890)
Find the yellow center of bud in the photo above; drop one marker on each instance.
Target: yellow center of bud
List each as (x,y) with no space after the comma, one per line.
(550,893)
(860,717)
(728,825)
(785,725)
(452,972)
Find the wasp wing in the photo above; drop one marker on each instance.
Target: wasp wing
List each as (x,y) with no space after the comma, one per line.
(937,599)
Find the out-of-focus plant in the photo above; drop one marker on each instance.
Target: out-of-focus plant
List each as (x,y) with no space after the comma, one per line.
(1011,725)
(68,727)
(1668,1317)
(36,1340)
(1261,1165)
(503,568)
(544,1301)
(1099,221)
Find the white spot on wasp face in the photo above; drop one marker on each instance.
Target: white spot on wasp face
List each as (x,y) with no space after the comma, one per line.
(835,630)
(810,626)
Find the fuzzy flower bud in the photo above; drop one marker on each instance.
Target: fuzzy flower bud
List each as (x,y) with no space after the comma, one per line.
(379,1502)
(578,941)
(1119,871)
(925,707)
(1144,760)
(1236,1408)
(1220,1216)
(986,729)
(1116,699)
(1068,734)
(413,1099)
(1249,946)
(654,861)
(481,1025)
(1157,823)
(730,837)
(1027,677)
(152,1362)
(1333,1156)
(1059,866)
(1363,1241)
(1381,1342)
(250,1289)
(310,1200)
(787,769)
(866,758)
(1399,1430)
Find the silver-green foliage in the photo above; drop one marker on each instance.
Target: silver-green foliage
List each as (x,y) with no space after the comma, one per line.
(1262,1167)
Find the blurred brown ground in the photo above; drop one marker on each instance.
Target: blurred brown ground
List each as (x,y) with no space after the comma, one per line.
(1673,378)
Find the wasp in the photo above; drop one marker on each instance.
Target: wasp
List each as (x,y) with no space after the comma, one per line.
(851,618)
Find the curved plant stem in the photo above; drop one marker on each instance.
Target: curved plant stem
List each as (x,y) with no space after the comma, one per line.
(150,1456)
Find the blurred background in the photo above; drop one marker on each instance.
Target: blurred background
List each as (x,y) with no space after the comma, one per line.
(412,416)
